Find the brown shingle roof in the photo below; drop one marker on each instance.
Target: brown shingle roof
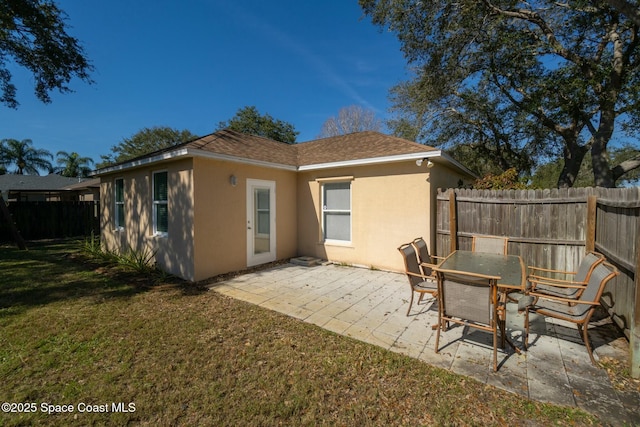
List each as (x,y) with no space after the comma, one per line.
(355,146)
(344,148)
(251,147)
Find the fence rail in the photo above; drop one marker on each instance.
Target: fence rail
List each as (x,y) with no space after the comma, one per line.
(50,220)
(554,229)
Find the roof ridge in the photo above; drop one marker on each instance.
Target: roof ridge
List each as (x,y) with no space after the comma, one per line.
(344,135)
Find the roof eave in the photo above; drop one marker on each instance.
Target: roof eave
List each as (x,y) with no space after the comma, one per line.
(457,165)
(169,155)
(190,152)
(433,154)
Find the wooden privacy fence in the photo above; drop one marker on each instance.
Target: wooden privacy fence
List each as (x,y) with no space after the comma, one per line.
(50,220)
(553,229)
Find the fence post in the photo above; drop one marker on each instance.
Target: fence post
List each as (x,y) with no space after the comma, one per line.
(634,333)
(592,204)
(453,220)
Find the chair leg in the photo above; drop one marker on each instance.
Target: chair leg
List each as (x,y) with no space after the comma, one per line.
(438,332)
(585,337)
(526,328)
(495,349)
(410,303)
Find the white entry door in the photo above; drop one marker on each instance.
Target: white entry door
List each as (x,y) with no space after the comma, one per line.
(261,221)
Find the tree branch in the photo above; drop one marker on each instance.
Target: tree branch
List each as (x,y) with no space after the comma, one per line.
(624,167)
(626,8)
(536,19)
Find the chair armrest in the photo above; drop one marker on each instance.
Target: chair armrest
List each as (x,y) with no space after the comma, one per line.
(422,276)
(558,283)
(428,264)
(438,257)
(560,299)
(532,268)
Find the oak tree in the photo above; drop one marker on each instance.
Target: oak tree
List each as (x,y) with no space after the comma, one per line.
(145,141)
(535,79)
(249,120)
(34,35)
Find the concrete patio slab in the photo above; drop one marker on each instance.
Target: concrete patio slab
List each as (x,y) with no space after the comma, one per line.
(371,306)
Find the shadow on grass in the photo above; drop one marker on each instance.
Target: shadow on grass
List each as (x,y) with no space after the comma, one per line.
(57,271)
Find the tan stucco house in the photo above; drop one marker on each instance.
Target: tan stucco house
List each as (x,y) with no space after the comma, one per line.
(228,201)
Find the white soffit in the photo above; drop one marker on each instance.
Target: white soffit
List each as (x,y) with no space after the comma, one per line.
(371,161)
(457,164)
(143,162)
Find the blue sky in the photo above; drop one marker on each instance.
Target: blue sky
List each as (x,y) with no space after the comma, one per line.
(194,63)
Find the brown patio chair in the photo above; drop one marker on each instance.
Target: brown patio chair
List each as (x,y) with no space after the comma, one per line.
(470,299)
(419,282)
(490,244)
(581,309)
(542,283)
(426,260)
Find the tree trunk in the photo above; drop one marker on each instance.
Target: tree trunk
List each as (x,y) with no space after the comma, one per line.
(573,157)
(602,175)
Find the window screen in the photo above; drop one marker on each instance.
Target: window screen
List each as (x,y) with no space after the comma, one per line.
(336,210)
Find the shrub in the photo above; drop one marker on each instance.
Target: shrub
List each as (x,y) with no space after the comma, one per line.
(508,180)
(137,260)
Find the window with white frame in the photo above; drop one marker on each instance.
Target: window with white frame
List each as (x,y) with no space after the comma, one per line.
(119,202)
(160,203)
(336,211)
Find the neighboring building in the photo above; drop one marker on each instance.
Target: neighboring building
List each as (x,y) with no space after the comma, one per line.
(49,188)
(227,201)
(86,190)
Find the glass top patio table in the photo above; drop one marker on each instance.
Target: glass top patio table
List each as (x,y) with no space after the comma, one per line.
(510,268)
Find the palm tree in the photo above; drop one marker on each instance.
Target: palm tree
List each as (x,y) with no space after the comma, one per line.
(26,159)
(72,165)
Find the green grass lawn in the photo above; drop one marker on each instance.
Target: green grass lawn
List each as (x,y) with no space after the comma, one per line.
(99,338)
